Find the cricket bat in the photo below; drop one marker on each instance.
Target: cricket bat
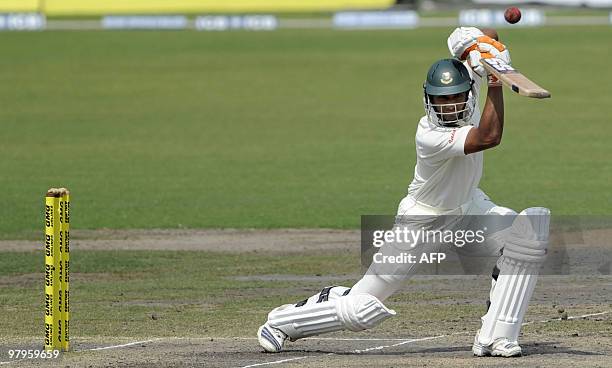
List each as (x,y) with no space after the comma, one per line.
(514,79)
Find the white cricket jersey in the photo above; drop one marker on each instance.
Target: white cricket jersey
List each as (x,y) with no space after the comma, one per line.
(444,176)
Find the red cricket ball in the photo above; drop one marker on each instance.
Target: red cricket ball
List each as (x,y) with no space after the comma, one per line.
(512,15)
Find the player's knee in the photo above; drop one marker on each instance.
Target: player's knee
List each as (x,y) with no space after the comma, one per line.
(503,211)
(362,311)
(528,237)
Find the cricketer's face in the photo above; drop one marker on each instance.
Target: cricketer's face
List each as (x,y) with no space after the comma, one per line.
(450,107)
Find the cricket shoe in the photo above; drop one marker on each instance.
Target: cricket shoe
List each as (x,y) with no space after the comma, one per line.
(270,338)
(500,347)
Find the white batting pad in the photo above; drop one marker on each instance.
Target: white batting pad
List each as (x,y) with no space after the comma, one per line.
(337,312)
(524,253)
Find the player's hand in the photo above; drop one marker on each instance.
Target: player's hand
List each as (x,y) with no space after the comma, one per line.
(461,40)
(486,47)
(489,47)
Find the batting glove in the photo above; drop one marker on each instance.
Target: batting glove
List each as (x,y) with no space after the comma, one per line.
(486,48)
(461,40)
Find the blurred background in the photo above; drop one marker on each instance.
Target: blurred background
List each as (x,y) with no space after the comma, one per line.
(464,11)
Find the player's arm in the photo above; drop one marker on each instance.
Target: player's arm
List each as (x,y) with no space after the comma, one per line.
(471,44)
(491,127)
(488,134)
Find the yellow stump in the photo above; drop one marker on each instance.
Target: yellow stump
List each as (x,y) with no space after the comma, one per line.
(64,218)
(52,286)
(57,266)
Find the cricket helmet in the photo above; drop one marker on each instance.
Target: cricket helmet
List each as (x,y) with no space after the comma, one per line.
(449,77)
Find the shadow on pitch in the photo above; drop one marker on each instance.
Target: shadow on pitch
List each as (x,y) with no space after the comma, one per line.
(552,347)
(541,348)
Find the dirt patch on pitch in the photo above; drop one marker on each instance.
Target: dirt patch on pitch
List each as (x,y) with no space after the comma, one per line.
(230,240)
(250,240)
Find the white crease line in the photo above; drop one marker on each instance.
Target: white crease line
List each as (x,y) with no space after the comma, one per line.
(588,315)
(398,344)
(357,351)
(281,361)
(12,361)
(119,346)
(570,317)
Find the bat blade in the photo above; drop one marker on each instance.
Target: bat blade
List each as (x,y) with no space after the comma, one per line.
(514,79)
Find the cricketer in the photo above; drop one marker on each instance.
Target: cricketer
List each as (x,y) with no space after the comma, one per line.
(450,140)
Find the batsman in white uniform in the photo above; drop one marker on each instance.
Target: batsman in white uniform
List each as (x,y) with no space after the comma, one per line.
(450,141)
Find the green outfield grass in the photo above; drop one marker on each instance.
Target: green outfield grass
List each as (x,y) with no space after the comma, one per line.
(277,129)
